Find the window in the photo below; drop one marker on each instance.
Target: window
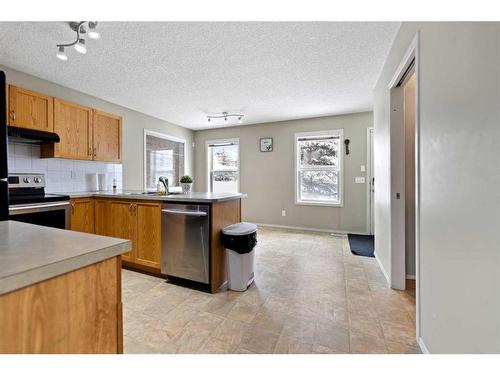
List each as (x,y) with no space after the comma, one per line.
(319,168)
(223,166)
(163,156)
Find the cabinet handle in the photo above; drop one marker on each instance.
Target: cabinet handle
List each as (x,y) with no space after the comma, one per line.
(90,151)
(72,208)
(95,151)
(131,207)
(13,115)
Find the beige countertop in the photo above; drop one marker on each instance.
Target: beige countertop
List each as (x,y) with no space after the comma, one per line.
(32,253)
(202,197)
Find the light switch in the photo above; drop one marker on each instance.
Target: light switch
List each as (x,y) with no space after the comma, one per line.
(363,168)
(359,180)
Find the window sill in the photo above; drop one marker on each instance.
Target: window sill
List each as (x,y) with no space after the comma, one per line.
(320,204)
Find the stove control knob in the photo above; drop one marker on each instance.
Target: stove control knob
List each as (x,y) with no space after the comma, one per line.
(37,180)
(27,180)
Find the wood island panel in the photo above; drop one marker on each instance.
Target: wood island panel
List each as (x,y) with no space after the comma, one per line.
(77,312)
(223,214)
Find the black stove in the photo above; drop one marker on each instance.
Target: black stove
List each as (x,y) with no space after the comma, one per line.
(29,203)
(30,188)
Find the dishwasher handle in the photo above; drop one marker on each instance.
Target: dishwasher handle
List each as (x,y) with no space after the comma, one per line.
(184,213)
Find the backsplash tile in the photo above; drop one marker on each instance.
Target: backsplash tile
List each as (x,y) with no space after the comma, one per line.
(62,175)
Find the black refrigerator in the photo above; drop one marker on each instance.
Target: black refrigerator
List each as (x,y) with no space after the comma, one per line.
(4,173)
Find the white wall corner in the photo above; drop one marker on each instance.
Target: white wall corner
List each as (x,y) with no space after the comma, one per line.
(386,275)
(423,348)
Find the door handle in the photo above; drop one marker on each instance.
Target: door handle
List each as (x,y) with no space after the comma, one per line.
(184,213)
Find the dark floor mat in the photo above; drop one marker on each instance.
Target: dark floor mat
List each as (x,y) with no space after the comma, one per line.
(362,245)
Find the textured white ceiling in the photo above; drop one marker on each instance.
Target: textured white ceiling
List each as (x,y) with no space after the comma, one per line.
(182,71)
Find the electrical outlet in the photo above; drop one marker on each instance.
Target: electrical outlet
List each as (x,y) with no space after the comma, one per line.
(359,180)
(283,213)
(363,168)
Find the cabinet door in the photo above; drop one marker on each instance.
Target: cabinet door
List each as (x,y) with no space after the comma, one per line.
(28,109)
(148,234)
(102,215)
(82,215)
(123,224)
(73,123)
(107,137)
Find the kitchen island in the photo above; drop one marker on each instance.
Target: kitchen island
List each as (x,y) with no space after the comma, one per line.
(138,216)
(60,291)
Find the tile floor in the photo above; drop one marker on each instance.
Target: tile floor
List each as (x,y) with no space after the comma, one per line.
(311,295)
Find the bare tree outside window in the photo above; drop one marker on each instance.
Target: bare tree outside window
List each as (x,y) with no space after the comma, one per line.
(318,168)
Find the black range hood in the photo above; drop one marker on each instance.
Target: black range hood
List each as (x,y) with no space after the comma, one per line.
(23,135)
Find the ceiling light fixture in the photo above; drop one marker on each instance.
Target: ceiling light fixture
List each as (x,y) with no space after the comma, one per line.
(226,116)
(61,55)
(79,44)
(92,33)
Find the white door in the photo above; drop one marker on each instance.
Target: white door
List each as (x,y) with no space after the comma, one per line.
(371,182)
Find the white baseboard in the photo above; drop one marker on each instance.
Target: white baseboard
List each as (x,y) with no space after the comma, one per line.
(386,275)
(333,231)
(423,348)
(410,277)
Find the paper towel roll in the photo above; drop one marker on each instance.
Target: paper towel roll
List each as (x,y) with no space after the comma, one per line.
(103,182)
(92,182)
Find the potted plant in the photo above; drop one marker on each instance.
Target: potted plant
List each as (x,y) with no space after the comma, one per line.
(186,182)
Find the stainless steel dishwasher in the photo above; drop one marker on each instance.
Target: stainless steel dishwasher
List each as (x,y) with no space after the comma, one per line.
(185,241)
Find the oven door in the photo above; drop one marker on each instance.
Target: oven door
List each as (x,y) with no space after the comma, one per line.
(53,214)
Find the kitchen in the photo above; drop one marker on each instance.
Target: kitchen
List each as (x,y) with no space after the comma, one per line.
(134,202)
(160,224)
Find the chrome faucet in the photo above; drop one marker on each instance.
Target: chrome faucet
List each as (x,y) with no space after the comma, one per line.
(164,181)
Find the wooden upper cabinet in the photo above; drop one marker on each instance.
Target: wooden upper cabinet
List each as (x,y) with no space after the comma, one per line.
(29,109)
(107,137)
(148,248)
(73,124)
(82,215)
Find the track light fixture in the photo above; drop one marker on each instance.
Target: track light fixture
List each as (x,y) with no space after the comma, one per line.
(79,43)
(226,116)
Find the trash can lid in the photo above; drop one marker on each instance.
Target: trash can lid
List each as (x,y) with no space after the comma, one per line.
(240,229)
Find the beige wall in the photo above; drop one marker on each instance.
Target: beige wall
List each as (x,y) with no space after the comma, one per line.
(134,124)
(268,177)
(459,92)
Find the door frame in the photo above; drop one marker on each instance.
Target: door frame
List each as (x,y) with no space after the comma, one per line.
(369,175)
(398,251)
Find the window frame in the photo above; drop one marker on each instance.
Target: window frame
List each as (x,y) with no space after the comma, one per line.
(163,136)
(324,133)
(208,157)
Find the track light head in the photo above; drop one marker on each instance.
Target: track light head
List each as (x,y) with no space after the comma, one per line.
(80,46)
(61,55)
(93,33)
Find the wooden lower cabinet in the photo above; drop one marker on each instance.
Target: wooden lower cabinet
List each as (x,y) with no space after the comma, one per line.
(79,312)
(137,221)
(82,215)
(148,247)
